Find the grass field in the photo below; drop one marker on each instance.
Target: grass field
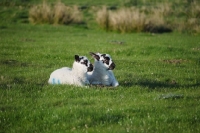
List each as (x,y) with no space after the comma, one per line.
(158,76)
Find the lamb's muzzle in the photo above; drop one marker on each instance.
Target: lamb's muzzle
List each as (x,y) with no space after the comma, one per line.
(112,66)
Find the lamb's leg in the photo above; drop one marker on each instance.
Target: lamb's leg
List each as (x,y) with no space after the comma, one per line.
(114,83)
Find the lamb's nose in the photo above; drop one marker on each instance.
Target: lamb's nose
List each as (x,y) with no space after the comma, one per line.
(112,66)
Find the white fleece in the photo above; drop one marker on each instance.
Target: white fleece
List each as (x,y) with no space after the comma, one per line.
(75,76)
(101,75)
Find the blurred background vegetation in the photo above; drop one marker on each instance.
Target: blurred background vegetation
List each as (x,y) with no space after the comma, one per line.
(156,16)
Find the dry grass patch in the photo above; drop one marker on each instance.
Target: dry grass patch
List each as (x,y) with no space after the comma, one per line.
(127,20)
(158,18)
(57,14)
(41,13)
(103,18)
(131,19)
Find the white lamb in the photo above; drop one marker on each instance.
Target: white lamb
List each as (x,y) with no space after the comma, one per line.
(77,75)
(102,73)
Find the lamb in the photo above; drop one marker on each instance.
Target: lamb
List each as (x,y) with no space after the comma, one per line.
(77,75)
(102,73)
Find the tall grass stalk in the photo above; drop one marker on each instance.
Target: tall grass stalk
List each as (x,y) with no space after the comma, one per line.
(103,18)
(158,18)
(127,20)
(41,13)
(192,22)
(57,14)
(131,19)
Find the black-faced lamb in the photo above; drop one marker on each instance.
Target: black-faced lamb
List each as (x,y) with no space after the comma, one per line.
(77,75)
(102,73)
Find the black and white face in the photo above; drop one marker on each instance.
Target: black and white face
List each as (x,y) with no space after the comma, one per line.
(105,59)
(84,61)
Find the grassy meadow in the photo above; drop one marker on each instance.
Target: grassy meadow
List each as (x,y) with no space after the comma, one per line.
(158,74)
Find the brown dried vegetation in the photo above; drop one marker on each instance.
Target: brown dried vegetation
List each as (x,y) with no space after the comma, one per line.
(57,14)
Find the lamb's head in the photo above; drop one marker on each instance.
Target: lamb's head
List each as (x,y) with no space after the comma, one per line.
(83,60)
(104,59)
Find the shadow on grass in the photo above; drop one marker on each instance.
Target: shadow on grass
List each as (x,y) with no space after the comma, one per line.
(157,84)
(152,84)
(22,82)
(149,84)
(14,63)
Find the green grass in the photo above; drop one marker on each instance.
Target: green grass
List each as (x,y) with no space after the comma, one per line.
(149,67)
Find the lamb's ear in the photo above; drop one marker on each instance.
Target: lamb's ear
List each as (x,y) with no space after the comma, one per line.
(77,58)
(103,55)
(94,56)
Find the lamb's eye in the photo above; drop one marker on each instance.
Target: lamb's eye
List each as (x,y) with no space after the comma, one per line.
(106,60)
(85,62)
